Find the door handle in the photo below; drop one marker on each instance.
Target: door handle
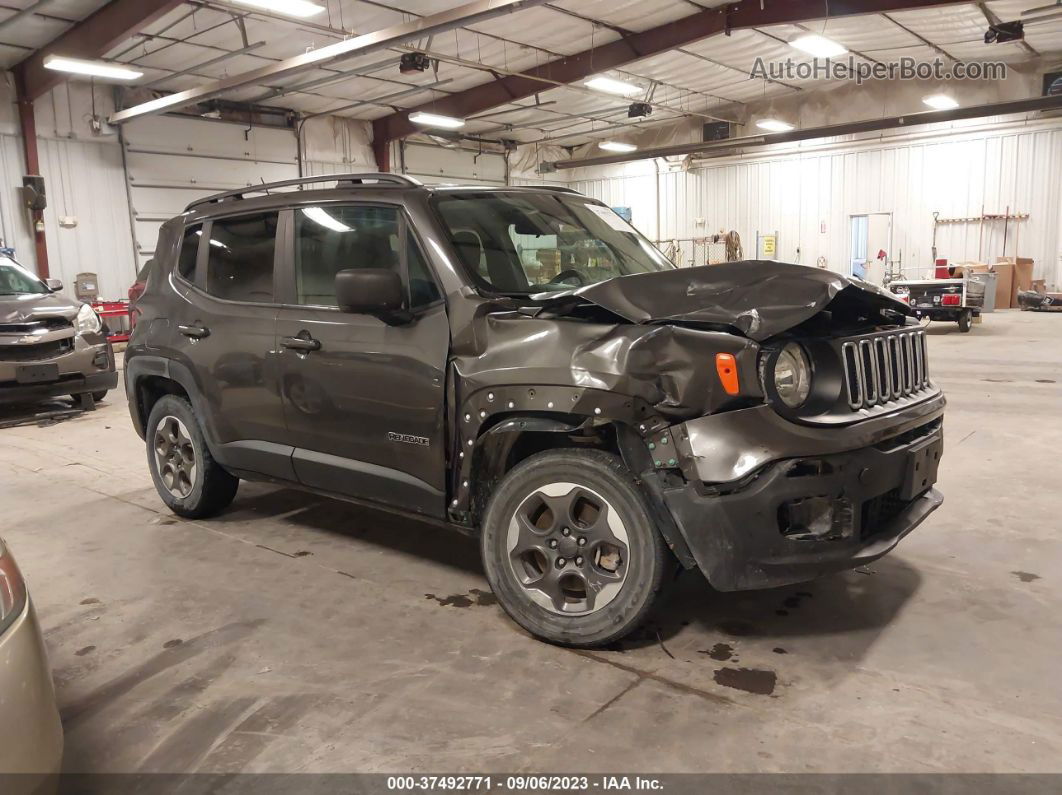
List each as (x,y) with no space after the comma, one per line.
(195,332)
(301,344)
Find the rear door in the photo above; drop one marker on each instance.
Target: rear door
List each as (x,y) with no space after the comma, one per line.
(363,400)
(226,333)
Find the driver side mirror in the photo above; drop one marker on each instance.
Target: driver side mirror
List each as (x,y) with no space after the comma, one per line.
(372,291)
(55,285)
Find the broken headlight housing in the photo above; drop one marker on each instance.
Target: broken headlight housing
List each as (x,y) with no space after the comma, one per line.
(792,376)
(88,322)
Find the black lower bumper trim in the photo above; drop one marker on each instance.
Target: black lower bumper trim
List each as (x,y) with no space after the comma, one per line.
(29,393)
(862,502)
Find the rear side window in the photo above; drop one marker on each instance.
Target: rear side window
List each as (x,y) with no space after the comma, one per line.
(189,253)
(240,262)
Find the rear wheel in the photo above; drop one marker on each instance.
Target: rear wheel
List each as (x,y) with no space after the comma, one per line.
(570,549)
(186,476)
(965,319)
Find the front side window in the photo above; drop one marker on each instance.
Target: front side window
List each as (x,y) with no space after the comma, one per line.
(16,280)
(331,239)
(240,262)
(524,243)
(334,238)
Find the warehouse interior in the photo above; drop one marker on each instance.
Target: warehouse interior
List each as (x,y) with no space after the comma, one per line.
(296,633)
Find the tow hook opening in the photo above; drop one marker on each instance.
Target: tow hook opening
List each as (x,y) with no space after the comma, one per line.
(816,519)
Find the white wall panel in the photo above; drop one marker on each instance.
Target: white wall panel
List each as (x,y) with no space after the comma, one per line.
(84,181)
(801,193)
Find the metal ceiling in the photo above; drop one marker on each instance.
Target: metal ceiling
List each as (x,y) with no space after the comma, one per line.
(206,40)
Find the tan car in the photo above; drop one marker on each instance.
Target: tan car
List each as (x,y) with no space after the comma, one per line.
(31,736)
(50,345)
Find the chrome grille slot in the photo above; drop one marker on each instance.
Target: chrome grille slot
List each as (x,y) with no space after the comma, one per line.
(884,368)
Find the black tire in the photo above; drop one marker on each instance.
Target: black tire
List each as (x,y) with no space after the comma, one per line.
(965,319)
(96,396)
(596,477)
(208,488)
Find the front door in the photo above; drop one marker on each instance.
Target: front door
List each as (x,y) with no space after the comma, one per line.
(363,400)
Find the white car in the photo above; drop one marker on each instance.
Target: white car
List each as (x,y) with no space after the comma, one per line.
(31,735)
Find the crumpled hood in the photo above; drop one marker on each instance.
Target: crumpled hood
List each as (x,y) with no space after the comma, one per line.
(759,298)
(26,308)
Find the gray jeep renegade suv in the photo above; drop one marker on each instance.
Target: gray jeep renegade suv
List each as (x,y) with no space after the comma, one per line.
(521,364)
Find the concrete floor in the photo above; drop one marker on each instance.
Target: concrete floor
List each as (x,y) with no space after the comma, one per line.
(299,634)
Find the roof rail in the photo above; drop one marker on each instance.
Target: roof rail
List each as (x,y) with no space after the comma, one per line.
(342,180)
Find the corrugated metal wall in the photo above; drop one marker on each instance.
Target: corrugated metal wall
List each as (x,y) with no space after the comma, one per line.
(809,197)
(85,181)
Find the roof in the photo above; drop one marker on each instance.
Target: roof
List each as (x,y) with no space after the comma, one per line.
(210,39)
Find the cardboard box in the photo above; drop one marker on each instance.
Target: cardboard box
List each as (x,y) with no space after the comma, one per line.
(970,267)
(1022,273)
(1004,284)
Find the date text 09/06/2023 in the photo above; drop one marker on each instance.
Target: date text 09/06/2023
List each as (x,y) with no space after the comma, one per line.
(521,783)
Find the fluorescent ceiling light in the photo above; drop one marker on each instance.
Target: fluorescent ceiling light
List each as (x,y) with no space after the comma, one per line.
(774,125)
(291,8)
(818,46)
(616,146)
(436,120)
(76,66)
(320,216)
(941,102)
(612,86)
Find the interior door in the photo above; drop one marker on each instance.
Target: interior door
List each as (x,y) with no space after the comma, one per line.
(363,400)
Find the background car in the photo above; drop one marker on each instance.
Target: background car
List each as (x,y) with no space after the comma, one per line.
(31,735)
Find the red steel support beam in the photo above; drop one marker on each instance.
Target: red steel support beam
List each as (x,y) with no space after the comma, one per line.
(572,68)
(382,151)
(28,125)
(91,38)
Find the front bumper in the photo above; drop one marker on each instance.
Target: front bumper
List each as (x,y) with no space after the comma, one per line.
(31,735)
(89,367)
(948,313)
(800,502)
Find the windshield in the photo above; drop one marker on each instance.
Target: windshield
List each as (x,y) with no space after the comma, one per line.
(524,243)
(16,280)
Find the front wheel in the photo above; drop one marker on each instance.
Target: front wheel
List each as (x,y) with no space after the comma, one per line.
(186,476)
(570,549)
(965,319)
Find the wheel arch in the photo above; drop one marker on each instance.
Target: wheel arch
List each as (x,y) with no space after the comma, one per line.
(149,378)
(505,439)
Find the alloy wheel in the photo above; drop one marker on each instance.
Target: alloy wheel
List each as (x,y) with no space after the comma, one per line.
(175,456)
(568,548)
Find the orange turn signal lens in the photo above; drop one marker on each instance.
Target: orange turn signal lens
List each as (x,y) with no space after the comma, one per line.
(726,366)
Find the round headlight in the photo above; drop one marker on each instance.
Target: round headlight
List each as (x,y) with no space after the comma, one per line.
(88,322)
(792,376)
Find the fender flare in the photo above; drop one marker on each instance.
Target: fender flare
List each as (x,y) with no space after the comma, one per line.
(145,365)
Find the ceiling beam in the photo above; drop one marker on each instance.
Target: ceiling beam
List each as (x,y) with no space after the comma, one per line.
(1031,105)
(709,22)
(91,38)
(467,14)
